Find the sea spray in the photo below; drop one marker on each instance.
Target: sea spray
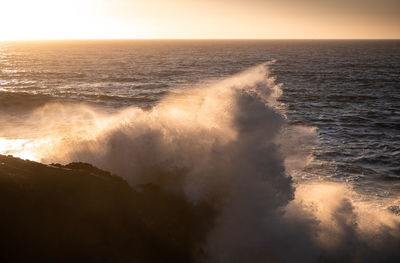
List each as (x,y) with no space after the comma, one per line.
(227,145)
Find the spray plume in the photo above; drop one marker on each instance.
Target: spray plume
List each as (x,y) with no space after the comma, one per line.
(226,145)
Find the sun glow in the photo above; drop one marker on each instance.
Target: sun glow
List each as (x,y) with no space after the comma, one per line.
(195,19)
(72,19)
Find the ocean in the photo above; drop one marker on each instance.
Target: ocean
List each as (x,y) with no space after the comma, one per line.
(348,90)
(172,108)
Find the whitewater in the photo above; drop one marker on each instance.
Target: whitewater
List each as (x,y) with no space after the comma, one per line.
(228,145)
(226,142)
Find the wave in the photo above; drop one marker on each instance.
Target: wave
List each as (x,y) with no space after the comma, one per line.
(227,145)
(21,101)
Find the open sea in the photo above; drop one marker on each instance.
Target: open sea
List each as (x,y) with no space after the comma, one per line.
(348,90)
(278,150)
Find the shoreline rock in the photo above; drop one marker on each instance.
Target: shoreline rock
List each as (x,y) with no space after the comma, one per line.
(77,213)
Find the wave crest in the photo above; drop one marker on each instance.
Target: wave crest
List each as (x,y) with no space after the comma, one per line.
(226,145)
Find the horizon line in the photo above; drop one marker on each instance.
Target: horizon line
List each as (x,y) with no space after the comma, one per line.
(188,39)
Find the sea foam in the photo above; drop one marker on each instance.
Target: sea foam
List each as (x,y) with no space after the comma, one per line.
(227,144)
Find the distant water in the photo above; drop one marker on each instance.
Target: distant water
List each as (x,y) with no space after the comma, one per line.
(348,90)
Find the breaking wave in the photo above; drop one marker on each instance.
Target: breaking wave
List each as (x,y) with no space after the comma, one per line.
(228,145)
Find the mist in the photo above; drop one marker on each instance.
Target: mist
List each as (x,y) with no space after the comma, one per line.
(228,145)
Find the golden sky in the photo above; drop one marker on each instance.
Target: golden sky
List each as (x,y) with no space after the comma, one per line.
(239,19)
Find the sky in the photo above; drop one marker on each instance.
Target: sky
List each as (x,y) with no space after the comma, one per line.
(199,19)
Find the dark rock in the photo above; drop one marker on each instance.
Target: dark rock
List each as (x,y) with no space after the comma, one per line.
(79,213)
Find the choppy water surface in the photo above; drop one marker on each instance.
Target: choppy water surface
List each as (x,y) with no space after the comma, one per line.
(348,90)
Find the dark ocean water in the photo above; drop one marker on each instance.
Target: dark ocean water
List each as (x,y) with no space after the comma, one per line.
(348,90)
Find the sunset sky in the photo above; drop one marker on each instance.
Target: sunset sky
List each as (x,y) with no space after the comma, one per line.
(232,19)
